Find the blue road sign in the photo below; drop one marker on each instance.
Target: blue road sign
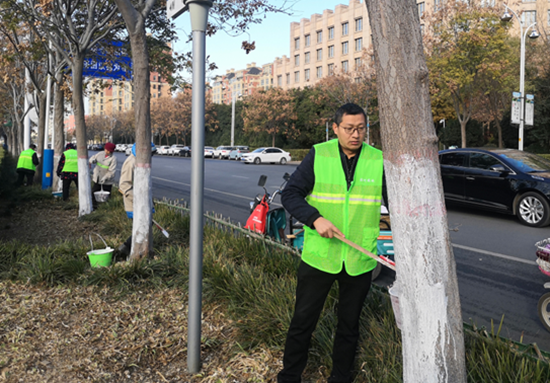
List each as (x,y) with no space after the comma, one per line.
(116,66)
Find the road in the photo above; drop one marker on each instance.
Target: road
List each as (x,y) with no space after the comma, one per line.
(494,254)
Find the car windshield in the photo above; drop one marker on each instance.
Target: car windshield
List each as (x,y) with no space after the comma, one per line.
(259,150)
(526,162)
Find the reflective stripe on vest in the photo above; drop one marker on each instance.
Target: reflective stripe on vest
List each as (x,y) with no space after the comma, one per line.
(25,160)
(101,165)
(356,212)
(71,161)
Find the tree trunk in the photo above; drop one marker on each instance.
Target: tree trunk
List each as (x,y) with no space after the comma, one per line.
(84,180)
(432,327)
(41,133)
(58,126)
(142,239)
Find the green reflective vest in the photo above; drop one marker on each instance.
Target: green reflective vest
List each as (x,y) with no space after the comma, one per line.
(25,160)
(71,161)
(356,212)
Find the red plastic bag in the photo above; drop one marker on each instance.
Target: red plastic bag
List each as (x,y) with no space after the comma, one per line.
(257,220)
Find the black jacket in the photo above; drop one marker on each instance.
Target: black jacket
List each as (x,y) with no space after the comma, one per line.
(301,184)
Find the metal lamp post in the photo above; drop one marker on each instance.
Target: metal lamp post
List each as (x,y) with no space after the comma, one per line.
(233,96)
(198,10)
(533,35)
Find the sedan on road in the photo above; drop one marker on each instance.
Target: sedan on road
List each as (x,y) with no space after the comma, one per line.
(266,155)
(208,151)
(237,153)
(163,150)
(184,152)
(509,181)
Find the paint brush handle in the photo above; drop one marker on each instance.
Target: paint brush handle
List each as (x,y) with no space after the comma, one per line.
(383,260)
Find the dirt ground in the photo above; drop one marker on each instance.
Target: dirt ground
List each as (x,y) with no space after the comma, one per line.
(84,334)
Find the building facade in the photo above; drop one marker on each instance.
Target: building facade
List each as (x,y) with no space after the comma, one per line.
(239,83)
(338,40)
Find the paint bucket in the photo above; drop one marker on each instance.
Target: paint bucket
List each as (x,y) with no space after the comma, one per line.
(101,196)
(57,194)
(394,296)
(100,257)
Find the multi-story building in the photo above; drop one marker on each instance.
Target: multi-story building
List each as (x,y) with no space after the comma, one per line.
(324,44)
(335,41)
(240,83)
(119,96)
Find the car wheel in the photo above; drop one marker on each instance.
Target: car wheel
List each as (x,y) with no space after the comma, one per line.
(282,161)
(543,309)
(257,161)
(533,210)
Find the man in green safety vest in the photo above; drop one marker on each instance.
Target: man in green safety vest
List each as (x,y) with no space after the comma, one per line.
(337,189)
(26,166)
(67,169)
(104,171)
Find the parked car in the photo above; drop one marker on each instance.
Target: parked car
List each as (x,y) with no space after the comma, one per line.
(175,148)
(128,150)
(208,151)
(163,150)
(185,152)
(509,181)
(266,155)
(97,147)
(222,152)
(236,154)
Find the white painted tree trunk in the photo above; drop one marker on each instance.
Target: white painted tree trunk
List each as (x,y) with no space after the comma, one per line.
(433,340)
(143,217)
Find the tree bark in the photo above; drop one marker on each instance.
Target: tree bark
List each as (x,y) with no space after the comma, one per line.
(432,327)
(142,238)
(84,180)
(58,126)
(41,110)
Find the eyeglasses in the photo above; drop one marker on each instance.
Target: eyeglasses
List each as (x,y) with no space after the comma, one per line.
(353,130)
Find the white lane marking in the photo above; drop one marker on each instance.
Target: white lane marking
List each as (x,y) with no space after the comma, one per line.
(214,190)
(498,255)
(241,177)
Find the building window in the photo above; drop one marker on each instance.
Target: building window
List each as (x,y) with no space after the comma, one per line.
(154,86)
(307,57)
(357,63)
(345,48)
(421,9)
(319,54)
(306,75)
(279,80)
(359,24)
(528,17)
(288,78)
(330,69)
(330,33)
(345,29)
(319,37)
(358,44)
(296,77)
(308,40)
(529,1)
(548,17)
(297,43)
(296,60)
(154,78)
(345,66)
(437,5)
(331,51)
(319,71)
(422,29)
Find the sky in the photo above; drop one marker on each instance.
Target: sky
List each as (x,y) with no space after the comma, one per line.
(271,37)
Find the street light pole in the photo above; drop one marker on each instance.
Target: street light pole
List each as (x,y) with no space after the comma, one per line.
(233,117)
(533,35)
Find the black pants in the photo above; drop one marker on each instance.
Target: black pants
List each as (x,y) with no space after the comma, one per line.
(67,186)
(311,292)
(96,188)
(21,174)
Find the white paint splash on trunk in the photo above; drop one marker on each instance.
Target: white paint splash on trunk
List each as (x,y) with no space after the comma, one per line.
(425,269)
(143,206)
(84,188)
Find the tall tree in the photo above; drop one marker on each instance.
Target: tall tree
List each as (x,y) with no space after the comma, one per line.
(462,42)
(270,111)
(433,340)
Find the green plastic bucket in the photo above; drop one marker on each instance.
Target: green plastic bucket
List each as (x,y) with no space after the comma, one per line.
(100,257)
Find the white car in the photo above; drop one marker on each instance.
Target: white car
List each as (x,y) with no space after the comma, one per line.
(266,155)
(163,150)
(208,151)
(175,149)
(222,152)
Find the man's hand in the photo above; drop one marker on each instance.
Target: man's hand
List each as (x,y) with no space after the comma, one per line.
(325,228)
